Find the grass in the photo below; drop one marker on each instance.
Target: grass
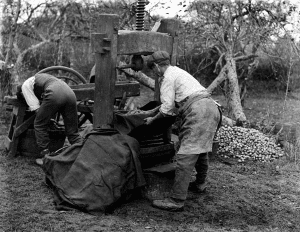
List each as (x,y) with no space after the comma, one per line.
(241,196)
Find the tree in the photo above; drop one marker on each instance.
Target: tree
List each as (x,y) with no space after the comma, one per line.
(10,16)
(235,30)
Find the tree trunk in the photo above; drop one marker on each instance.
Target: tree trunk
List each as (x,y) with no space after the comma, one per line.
(61,42)
(233,90)
(140,77)
(2,63)
(244,82)
(6,80)
(2,12)
(13,32)
(72,56)
(219,79)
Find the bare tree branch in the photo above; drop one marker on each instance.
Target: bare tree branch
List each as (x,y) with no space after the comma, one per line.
(219,64)
(139,76)
(219,79)
(241,58)
(20,58)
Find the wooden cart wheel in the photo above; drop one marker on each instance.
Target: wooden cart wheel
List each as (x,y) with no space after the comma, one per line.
(71,77)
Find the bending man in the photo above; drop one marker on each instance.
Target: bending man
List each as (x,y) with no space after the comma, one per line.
(199,121)
(48,95)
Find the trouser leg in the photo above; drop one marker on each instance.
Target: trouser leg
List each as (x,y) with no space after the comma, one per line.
(201,168)
(185,164)
(70,117)
(41,123)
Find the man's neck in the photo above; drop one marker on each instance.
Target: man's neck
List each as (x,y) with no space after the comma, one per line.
(164,68)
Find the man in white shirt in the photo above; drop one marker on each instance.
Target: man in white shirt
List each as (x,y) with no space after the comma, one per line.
(48,95)
(200,118)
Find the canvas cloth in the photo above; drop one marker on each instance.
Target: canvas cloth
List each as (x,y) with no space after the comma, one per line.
(133,124)
(94,175)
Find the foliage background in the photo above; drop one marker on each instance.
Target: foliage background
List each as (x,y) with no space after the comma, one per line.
(53,32)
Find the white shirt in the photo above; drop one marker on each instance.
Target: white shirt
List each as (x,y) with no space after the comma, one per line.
(176,85)
(30,98)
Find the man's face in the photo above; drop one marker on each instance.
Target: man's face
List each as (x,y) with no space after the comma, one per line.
(156,70)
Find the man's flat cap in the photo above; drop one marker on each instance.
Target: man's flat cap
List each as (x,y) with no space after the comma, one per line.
(158,57)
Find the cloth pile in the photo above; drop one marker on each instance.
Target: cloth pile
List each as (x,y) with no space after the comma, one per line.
(95,175)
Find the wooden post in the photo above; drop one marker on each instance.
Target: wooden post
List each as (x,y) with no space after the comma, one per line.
(105,48)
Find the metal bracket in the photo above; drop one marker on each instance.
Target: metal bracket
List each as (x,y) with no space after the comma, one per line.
(100,43)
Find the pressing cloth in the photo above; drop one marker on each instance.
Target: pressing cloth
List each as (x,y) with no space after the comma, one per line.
(96,174)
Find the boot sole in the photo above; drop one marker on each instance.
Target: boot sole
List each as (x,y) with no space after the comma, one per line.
(169,209)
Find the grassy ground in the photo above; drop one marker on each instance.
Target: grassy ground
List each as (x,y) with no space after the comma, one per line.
(241,197)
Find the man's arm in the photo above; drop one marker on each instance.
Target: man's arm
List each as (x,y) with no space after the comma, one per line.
(150,120)
(30,98)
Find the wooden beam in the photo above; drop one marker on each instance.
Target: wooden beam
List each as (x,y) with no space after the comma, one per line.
(82,86)
(169,26)
(87,91)
(105,49)
(143,42)
(24,126)
(13,100)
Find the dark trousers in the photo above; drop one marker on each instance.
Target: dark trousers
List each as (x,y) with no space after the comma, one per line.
(58,97)
(185,164)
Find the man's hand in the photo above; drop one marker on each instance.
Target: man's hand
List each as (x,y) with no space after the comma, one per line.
(148,120)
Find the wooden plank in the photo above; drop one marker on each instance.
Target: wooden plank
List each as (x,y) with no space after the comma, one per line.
(153,150)
(156,26)
(143,42)
(7,143)
(20,114)
(13,100)
(92,85)
(83,86)
(84,94)
(12,126)
(24,126)
(169,26)
(87,91)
